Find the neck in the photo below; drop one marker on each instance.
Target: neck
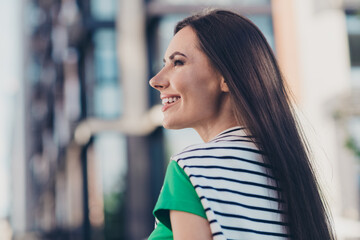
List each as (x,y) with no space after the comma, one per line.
(225,119)
(207,134)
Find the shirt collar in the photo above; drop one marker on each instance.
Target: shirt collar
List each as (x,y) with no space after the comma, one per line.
(234,131)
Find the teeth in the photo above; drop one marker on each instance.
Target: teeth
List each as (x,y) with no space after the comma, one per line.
(169,100)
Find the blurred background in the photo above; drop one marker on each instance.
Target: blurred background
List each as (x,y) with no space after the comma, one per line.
(82,152)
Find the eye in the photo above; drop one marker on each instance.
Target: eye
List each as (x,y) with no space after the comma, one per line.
(178,63)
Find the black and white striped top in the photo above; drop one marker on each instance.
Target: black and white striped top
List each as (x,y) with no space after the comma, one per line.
(235,187)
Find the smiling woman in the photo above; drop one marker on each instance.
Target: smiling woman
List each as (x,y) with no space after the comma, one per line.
(251,178)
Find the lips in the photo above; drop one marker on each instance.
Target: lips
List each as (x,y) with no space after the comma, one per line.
(168,101)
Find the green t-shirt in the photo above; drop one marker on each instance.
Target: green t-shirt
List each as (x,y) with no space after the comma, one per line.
(177,194)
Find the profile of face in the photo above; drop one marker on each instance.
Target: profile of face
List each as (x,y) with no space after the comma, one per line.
(192,91)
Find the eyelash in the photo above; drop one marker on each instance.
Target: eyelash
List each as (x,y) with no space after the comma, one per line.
(178,62)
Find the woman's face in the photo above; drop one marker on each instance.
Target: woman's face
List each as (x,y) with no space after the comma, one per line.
(190,88)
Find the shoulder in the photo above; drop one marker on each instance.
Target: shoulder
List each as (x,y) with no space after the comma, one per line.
(220,153)
(221,148)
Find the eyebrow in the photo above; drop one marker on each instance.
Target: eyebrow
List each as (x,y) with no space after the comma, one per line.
(174,54)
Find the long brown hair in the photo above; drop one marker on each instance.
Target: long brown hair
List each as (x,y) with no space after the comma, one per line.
(240,52)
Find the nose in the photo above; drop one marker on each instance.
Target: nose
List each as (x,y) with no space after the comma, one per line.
(159,82)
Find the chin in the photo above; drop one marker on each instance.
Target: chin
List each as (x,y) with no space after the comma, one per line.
(171,125)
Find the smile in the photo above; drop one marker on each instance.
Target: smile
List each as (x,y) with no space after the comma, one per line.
(166,101)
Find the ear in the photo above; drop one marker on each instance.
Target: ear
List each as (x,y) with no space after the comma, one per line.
(223,85)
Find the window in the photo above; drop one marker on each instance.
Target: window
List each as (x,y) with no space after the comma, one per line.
(353,27)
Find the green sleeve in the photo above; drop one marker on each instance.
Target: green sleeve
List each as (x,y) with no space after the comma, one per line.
(177,194)
(161,233)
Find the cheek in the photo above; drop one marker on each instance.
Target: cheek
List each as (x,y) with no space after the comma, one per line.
(203,101)
(208,92)
(209,105)
(197,88)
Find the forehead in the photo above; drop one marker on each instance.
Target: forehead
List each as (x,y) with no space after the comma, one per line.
(184,41)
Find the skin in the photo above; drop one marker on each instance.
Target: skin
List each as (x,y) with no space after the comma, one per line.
(204,105)
(189,226)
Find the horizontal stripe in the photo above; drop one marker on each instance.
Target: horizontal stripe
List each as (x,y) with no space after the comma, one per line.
(235,180)
(231,148)
(233,140)
(243,205)
(240,193)
(230,169)
(248,136)
(230,131)
(251,219)
(257,232)
(217,233)
(225,158)
(229,137)
(235,136)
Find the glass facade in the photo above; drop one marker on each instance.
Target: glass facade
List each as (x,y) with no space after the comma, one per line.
(104,10)
(223,2)
(105,102)
(111,169)
(353,27)
(353,119)
(10,85)
(107,95)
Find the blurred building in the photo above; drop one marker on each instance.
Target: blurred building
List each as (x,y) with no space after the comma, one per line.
(88,154)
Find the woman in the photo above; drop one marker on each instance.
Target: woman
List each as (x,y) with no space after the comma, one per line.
(251,178)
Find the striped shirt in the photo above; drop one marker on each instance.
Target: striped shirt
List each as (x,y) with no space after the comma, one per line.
(235,186)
